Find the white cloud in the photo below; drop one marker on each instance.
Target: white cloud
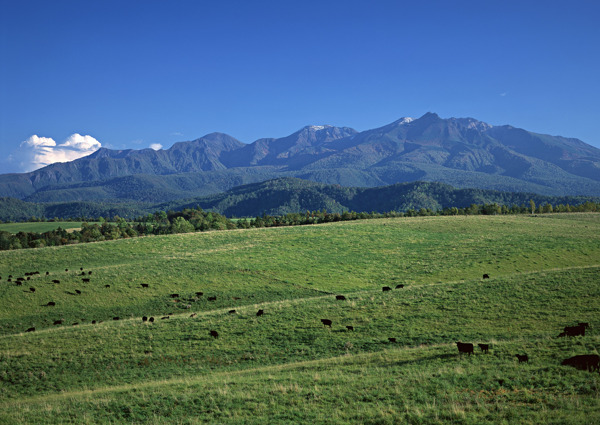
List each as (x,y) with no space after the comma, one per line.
(156,146)
(503,94)
(37,152)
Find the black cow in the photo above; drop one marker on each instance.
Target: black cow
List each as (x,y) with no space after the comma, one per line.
(584,324)
(18,283)
(400,286)
(589,362)
(574,330)
(199,294)
(164,317)
(32,289)
(214,334)
(51,304)
(93,322)
(151,319)
(484,347)
(350,327)
(144,319)
(260,312)
(326,322)
(486,276)
(58,322)
(30,330)
(464,347)
(85,280)
(212,298)
(174,295)
(340,297)
(107,286)
(386,288)
(56,281)
(523,358)
(77,291)
(392,339)
(193,315)
(116,318)
(80,268)
(66,270)
(90,272)
(231,311)
(145,285)
(47,273)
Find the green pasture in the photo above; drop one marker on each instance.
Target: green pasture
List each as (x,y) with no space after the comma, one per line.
(39,227)
(285,366)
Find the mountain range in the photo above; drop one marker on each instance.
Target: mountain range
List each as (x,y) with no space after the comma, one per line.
(462,152)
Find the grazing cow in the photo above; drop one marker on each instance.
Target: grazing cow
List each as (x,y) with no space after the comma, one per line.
(349,327)
(28,278)
(116,318)
(9,280)
(260,312)
(151,319)
(75,324)
(523,358)
(30,330)
(212,298)
(174,295)
(80,268)
(51,304)
(574,330)
(164,317)
(19,283)
(144,319)
(145,285)
(386,288)
(486,276)
(47,273)
(10,276)
(326,322)
(392,339)
(400,286)
(20,279)
(32,289)
(589,362)
(214,334)
(464,347)
(90,272)
(231,311)
(77,291)
(66,270)
(107,286)
(93,322)
(484,347)
(193,315)
(85,280)
(199,294)
(56,281)
(340,297)
(58,322)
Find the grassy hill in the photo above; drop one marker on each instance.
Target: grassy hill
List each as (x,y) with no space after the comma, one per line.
(285,366)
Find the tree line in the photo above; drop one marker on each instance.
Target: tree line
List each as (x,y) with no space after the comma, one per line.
(198,220)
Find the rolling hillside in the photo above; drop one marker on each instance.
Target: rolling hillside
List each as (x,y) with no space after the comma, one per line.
(91,357)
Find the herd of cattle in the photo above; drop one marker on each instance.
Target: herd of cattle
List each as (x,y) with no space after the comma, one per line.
(589,362)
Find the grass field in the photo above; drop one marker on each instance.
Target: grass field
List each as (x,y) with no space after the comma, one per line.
(285,366)
(39,227)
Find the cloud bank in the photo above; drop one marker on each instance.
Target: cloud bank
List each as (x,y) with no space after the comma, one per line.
(37,152)
(156,146)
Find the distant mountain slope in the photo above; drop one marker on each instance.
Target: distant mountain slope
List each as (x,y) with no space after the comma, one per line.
(291,195)
(462,152)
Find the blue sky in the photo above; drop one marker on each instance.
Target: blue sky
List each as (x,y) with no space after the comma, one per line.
(130,74)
